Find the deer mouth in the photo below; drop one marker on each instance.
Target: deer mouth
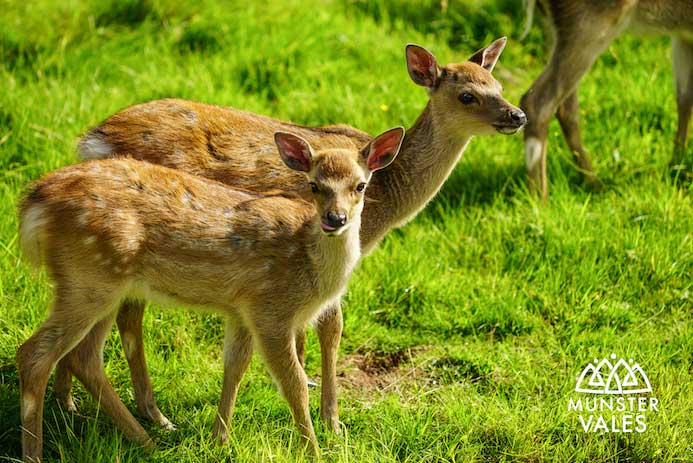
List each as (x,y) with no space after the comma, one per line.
(507,129)
(327,228)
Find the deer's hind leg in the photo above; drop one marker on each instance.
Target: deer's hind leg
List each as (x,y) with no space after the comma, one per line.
(130,317)
(72,317)
(568,116)
(129,320)
(86,362)
(577,45)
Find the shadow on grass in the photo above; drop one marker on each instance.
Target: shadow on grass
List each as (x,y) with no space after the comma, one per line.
(491,19)
(10,431)
(476,184)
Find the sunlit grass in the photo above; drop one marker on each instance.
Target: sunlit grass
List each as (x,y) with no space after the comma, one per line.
(465,331)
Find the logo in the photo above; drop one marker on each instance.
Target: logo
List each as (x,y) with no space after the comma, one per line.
(621,378)
(616,402)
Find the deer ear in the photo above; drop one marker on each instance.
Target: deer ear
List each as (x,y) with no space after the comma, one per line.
(383,149)
(487,57)
(294,150)
(422,66)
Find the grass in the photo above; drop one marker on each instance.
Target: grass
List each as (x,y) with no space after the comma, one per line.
(465,331)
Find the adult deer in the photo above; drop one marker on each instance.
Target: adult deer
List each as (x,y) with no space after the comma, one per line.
(582,30)
(235,147)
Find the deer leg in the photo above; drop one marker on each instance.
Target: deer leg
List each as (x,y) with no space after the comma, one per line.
(62,387)
(86,362)
(130,317)
(577,46)
(58,335)
(301,347)
(329,333)
(238,350)
(277,345)
(568,116)
(682,57)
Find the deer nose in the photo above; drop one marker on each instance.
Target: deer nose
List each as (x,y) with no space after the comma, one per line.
(335,219)
(518,117)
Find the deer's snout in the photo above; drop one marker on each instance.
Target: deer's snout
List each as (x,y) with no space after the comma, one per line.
(518,117)
(333,221)
(512,120)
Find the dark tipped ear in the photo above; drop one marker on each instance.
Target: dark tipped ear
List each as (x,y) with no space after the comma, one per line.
(422,66)
(383,149)
(488,57)
(294,150)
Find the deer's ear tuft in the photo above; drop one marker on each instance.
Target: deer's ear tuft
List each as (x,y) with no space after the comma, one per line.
(294,150)
(383,149)
(422,66)
(488,57)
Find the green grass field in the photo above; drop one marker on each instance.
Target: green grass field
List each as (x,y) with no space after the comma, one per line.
(466,330)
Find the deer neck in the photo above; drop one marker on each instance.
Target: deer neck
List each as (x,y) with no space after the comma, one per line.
(426,159)
(334,258)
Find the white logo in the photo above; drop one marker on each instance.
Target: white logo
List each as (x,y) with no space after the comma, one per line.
(614,407)
(603,377)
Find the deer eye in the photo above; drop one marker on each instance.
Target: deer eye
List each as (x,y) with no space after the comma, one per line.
(314,187)
(360,187)
(467,98)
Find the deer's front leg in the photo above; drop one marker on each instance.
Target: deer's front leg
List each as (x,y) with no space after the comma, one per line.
(329,328)
(238,349)
(277,344)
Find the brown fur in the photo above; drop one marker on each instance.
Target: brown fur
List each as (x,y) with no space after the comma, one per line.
(235,147)
(581,31)
(122,229)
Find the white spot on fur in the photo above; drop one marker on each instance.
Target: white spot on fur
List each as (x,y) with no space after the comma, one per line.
(533,150)
(28,406)
(83,219)
(32,221)
(93,146)
(90,240)
(267,149)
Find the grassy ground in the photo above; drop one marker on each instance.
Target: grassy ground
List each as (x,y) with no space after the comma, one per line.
(465,331)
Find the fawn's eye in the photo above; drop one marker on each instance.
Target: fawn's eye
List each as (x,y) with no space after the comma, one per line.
(314,187)
(360,187)
(467,98)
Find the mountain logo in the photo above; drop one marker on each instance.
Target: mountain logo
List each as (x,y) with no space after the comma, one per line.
(605,377)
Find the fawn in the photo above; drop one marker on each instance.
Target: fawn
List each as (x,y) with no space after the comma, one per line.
(235,147)
(582,30)
(114,229)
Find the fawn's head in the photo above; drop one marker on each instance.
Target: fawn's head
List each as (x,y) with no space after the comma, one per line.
(465,98)
(338,177)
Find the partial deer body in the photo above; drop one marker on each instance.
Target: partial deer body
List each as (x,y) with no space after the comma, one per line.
(235,147)
(581,31)
(125,229)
